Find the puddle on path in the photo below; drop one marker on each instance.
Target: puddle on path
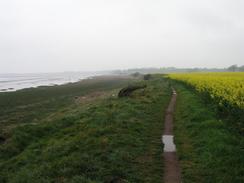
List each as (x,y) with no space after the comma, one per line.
(168,141)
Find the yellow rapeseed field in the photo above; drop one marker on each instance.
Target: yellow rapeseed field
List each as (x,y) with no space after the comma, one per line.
(225,88)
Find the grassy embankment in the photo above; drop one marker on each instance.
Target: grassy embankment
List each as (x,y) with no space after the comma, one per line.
(49,136)
(209,147)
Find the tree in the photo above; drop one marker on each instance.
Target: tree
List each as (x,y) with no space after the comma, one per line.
(233,68)
(241,68)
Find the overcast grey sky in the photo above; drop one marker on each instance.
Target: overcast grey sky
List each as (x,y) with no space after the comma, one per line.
(73,35)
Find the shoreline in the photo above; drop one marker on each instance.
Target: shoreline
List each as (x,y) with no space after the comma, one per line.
(95,77)
(45,83)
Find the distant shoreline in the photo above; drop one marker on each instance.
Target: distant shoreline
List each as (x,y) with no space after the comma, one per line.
(90,77)
(12,83)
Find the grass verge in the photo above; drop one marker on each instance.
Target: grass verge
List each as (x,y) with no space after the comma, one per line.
(209,149)
(109,140)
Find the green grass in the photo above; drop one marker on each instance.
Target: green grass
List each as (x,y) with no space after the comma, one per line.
(109,140)
(49,137)
(32,105)
(209,148)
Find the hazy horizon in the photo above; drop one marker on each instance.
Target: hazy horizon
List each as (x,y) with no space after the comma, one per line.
(72,35)
(112,70)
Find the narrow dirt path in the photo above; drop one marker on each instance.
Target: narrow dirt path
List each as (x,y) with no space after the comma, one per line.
(172,172)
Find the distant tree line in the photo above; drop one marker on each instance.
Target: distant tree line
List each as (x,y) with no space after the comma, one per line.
(165,70)
(235,68)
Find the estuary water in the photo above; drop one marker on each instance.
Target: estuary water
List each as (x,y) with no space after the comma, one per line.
(13,82)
